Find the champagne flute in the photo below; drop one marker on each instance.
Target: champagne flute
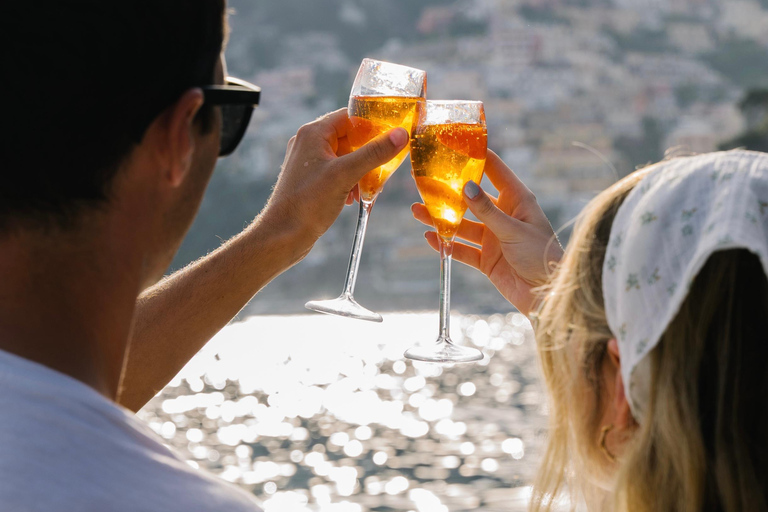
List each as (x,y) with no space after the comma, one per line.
(384,96)
(448,148)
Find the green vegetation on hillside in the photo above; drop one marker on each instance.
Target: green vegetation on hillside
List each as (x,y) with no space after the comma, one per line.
(742,61)
(755,108)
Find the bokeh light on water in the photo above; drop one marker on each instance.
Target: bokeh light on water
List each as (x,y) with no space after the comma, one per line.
(319,413)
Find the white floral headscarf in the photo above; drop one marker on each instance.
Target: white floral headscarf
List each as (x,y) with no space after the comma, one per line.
(673,220)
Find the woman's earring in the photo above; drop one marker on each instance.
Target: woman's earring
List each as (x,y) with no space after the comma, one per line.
(603,448)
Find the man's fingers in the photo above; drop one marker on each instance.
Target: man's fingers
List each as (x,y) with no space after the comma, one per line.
(336,122)
(502,225)
(377,152)
(354,195)
(461,252)
(291,142)
(330,127)
(343,147)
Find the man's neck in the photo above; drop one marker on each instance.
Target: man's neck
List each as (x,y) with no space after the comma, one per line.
(67,301)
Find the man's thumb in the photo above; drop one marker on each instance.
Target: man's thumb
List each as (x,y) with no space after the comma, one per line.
(377,152)
(501,224)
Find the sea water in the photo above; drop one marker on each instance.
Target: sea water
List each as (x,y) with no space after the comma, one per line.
(321,413)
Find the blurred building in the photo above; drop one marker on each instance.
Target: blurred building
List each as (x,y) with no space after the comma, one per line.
(576,94)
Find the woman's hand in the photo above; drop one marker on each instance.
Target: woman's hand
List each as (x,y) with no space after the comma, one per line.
(517,244)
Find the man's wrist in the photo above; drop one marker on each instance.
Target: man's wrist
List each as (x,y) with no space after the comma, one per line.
(284,242)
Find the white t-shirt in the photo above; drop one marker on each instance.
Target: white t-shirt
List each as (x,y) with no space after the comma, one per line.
(65,447)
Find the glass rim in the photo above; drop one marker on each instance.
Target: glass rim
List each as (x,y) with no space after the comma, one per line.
(454,102)
(388,94)
(453,112)
(392,64)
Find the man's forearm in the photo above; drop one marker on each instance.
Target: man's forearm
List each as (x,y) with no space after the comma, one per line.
(177,316)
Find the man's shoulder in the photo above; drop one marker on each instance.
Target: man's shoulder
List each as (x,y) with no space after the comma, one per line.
(116,469)
(70,449)
(117,483)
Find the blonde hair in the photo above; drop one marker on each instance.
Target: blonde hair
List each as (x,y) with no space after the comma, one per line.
(698,448)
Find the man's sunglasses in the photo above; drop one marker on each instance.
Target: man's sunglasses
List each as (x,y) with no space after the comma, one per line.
(237,99)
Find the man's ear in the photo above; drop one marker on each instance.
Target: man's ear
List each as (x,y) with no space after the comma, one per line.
(623,414)
(180,135)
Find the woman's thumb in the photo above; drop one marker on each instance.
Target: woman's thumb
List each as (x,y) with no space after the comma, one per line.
(501,224)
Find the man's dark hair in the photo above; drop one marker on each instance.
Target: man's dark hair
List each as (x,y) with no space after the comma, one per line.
(83,80)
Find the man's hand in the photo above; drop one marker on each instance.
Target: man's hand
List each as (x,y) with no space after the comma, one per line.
(517,244)
(179,315)
(319,175)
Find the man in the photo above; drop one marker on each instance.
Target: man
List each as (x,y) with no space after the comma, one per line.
(116,124)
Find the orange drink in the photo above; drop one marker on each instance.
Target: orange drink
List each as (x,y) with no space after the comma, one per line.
(444,158)
(384,96)
(371,116)
(448,149)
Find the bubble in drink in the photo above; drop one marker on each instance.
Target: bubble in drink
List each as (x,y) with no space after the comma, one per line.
(444,158)
(371,116)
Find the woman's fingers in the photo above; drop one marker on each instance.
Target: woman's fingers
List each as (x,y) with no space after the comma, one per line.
(504,178)
(506,228)
(469,230)
(461,252)
(421,214)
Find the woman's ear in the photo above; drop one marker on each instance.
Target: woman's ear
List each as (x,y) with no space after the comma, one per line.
(623,414)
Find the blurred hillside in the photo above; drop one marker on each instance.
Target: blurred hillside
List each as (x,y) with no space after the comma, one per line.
(577,92)
(755,109)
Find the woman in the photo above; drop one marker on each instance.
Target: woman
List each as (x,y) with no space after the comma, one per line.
(651,332)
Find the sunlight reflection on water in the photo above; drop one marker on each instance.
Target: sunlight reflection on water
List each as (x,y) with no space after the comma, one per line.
(320,413)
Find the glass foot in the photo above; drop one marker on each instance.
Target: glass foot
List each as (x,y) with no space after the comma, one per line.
(444,351)
(345,305)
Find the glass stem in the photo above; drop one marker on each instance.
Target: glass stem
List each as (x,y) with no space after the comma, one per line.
(357,246)
(446,250)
